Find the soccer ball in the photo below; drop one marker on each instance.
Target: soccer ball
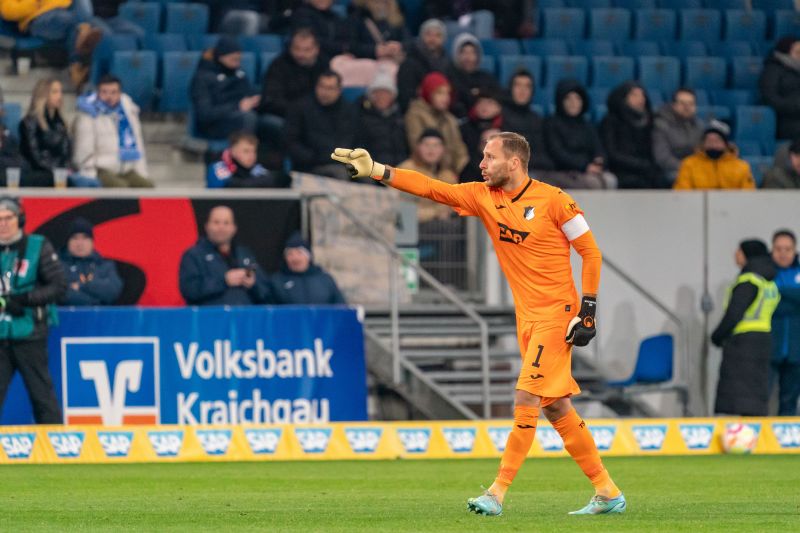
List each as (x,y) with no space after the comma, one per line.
(739,439)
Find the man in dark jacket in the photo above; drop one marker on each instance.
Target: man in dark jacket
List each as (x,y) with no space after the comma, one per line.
(677,132)
(780,86)
(31,282)
(91,279)
(381,128)
(331,30)
(238,167)
(520,118)
(786,323)
(217,271)
(572,140)
(318,124)
(300,281)
(485,114)
(425,55)
(466,76)
(744,334)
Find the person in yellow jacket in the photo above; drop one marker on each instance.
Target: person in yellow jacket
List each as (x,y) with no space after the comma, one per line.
(715,165)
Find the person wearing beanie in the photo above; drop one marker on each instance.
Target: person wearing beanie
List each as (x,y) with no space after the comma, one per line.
(715,164)
(780,86)
(432,110)
(785,173)
(382,127)
(91,279)
(300,281)
(425,55)
(744,334)
(520,118)
(466,76)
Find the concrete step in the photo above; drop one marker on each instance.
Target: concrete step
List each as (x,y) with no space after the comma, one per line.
(183,176)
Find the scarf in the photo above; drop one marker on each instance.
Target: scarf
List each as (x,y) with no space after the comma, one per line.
(128,149)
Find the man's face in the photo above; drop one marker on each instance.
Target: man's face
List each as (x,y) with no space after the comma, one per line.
(322,5)
(220,228)
(297,259)
(468,58)
(245,153)
(327,90)
(712,141)
(784,249)
(304,50)
(495,166)
(487,108)
(521,90)
(433,39)
(431,150)
(231,61)
(573,104)
(685,105)
(109,94)
(636,100)
(80,245)
(740,258)
(382,99)
(794,159)
(9,225)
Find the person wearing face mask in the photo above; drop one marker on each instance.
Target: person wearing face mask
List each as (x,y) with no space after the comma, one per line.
(715,164)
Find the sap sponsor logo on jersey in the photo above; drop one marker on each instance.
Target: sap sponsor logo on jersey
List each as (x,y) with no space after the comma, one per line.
(116,443)
(460,440)
(313,440)
(549,439)
(18,445)
(214,441)
(650,437)
(603,436)
(166,443)
(363,440)
(499,437)
(66,444)
(787,435)
(697,436)
(415,440)
(512,235)
(263,441)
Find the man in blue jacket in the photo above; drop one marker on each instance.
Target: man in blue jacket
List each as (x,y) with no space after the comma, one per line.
(91,279)
(300,281)
(786,322)
(218,271)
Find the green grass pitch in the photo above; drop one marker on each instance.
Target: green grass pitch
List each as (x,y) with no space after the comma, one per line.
(693,494)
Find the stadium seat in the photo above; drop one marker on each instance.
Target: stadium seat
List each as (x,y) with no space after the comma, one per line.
(164,42)
(539,110)
(680,4)
(636,4)
(656,96)
(639,48)
(598,112)
(177,71)
(214,145)
(741,25)
(545,47)
(564,23)
(146,15)
(202,41)
(261,43)
(566,67)
(654,24)
(684,49)
(551,4)
(589,4)
(489,64)
(592,47)
(700,25)
(101,58)
(498,47)
(748,148)
(730,49)
(610,24)
(11,117)
(756,123)
(653,363)
(718,112)
(510,64)
(662,72)
(705,73)
(250,67)
(598,95)
(728,4)
(786,22)
(351,94)
(186,18)
(773,5)
(137,72)
(733,97)
(745,72)
(265,60)
(611,71)
(759,165)
(701,96)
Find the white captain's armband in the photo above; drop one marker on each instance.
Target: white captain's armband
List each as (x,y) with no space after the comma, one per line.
(575,227)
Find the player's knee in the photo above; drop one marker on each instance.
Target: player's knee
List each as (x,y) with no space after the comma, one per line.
(527,399)
(557,409)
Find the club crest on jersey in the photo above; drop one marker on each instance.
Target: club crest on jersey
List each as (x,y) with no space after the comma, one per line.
(512,235)
(528,213)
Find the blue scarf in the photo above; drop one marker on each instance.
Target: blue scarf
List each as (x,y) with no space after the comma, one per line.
(128,150)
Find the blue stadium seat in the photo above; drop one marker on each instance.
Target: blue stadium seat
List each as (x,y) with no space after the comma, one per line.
(655,25)
(545,47)
(728,4)
(101,58)
(759,165)
(756,123)
(250,67)
(745,72)
(489,64)
(730,49)
(544,96)
(214,145)
(539,110)
(611,71)
(351,94)
(636,4)
(566,67)
(656,96)
(684,49)
(265,60)
(700,25)
(680,4)
(510,64)
(598,112)
(749,148)
(551,4)
(564,23)
(202,41)
(164,42)
(786,22)
(705,72)
(177,71)
(773,5)
(137,72)
(592,47)
(701,96)
(598,95)
(186,18)
(589,4)
(11,117)
(733,97)
(610,24)
(662,72)
(744,25)
(718,112)
(653,362)
(498,47)
(146,15)
(261,43)
(639,48)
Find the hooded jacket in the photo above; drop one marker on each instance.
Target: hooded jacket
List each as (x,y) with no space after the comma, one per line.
(419,62)
(572,142)
(780,89)
(698,171)
(286,81)
(674,138)
(782,175)
(467,85)
(216,91)
(520,118)
(99,282)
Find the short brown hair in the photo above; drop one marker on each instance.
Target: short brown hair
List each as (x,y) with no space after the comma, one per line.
(515,145)
(242,136)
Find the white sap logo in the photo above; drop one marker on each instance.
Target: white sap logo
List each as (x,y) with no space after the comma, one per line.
(499,437)
(67,445)
(313,440)
(116,443)
(415,440)
(650,437)
(697,436)
(127,378)
(788,435)
(263,441)
(549,439)
(603,436)
(363,440)
(460,440)
(214,442)
(166,443)
(18,445)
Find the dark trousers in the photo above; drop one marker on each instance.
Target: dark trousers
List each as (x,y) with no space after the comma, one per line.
(30,358)
(787,375)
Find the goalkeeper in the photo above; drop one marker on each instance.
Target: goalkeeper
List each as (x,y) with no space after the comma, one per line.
(532,226)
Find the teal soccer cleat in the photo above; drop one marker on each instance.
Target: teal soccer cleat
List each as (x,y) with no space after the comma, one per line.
(485,504)
(602,505)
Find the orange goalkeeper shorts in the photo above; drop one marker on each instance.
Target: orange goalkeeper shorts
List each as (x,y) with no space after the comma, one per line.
(546,358)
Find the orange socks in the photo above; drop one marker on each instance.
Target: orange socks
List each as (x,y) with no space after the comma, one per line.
(579,443)
(517,447)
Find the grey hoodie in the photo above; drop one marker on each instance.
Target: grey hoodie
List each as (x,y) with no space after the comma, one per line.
(674,138)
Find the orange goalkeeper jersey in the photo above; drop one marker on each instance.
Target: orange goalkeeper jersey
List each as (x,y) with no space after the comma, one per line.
(531,229)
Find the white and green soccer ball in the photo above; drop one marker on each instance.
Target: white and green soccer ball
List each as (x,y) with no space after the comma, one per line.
(739,439)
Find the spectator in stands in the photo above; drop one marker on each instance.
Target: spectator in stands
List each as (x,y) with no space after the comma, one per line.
(780,86)
(381,125)
(427,158)
(466,76)
(300,281)
(485,114)
(785,174)
(509,19)
(108,137)
(627,135)
(378,30)
(319,123)
(219,271)
(238,166)
(520,118)
(331,30)
(677,131)
(431,110)
(240,17)
(11,158)
(744,334)
(426,55)
(786,323)
(91,279)
(716,164)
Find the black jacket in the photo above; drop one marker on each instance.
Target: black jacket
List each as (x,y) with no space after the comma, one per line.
(780,89)
(523,120)
(382,134)
(417,64)
(466,86)
(216,92)
(362,42)
(572,142)
(314,286)
(285,82)
(45,149)
(99,282)
(314,130)
(332,31)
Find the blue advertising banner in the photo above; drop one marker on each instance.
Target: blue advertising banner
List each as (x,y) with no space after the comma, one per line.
(209,365)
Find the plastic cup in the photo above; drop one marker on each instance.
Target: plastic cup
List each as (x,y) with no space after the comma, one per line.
(12,177)
(60,176)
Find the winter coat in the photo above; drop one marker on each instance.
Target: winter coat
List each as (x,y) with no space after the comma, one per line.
(228,172)
(382,133)
(285,82)
(24,11)
(99,282)
(332,31)
(202,276)
(216,92)
(45,149)
(312,287)
(96,139)
(780,89)
(743,387)
(781,176)
(362,42)
(418,63)
(698,171)
(466,85)
(572,142)
(421,116)
(313,131)
(786,319)
(674,138)
(428,210)
(523,120)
